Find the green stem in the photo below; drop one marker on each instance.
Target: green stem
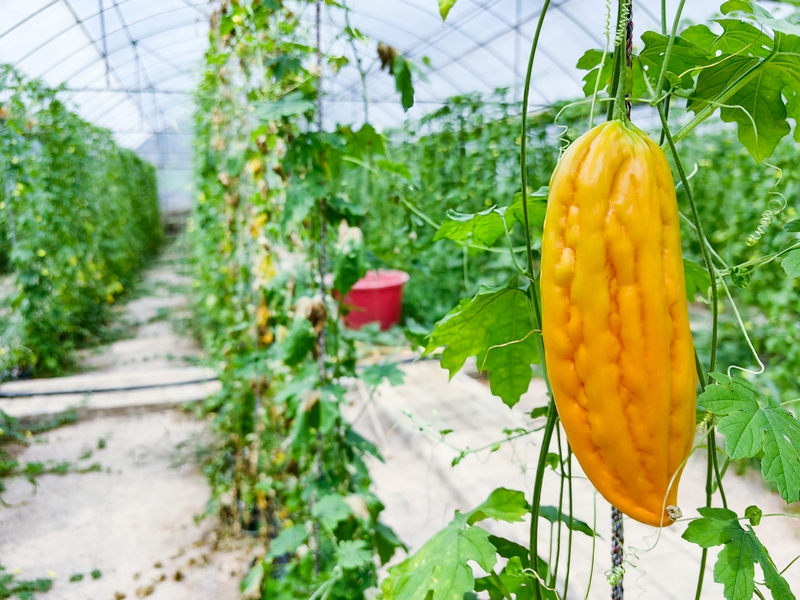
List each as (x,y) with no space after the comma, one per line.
(554,565)
(616,70)
(759,262)
(670,43)
(523,152)
(709,491)
(552,417)
(712,449)
(571,519)
(620,113)
(700,236)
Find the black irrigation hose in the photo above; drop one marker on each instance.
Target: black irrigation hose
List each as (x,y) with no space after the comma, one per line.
(103,390)
(160,385)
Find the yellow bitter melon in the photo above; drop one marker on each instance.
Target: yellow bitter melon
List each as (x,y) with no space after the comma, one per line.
(615,321)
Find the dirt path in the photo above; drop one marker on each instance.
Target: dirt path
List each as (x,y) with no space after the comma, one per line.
(130,519)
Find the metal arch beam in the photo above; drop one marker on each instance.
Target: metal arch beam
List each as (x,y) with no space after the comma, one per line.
(450,59)
(157,16)
(128,86)
(139,67)
(195,7)
(592,36)
(373,74)
(49,41)
(430,40)
(478,46)
(104,54)
(87,90)
(120,65)
(92,116)
(105,41)
(543,50)
(29,17)
(79,23)
(119,91)
(164,30)
(86,32)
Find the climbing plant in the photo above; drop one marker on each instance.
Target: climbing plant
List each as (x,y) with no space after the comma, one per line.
(78,216)
(275,251)
(745,67)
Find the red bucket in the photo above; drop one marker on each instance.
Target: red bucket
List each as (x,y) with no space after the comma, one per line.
(378,296)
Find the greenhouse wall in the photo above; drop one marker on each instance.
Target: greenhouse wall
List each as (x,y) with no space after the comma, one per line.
(170,152)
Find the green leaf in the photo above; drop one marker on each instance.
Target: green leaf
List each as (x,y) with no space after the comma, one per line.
(386,542)
(403,82)
(290,105)
(373,375)
(697,279)
(537,207)
(350,264)
(394,167)
(300,339)
(288,541)
(791,263)
(251,584)
(751,424)
(772,72)
(502,505)
(331,510)
(496,328)
(512,577)
(753,12)
(684,57)
(735,566)
(539,412)
(444,8)
(590,61)
(550,513)
(440,570)
(792,226)
(301,196)
(485,227)
(552,460)
(353,554)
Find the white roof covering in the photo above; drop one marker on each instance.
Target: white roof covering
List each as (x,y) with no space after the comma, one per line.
(132,65)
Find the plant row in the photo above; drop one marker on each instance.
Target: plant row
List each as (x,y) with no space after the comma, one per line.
(274,251)
(78,217)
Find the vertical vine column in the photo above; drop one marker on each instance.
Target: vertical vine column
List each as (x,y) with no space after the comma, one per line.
(617,543)
(323,267)
(617,528)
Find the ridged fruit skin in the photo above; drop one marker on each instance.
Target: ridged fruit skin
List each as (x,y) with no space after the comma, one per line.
(615,319)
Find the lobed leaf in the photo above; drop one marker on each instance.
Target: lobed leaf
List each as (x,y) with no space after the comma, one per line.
(697,279)
(495,326)
(735,566)
(440,570)
(791,263)
(751,424)
(502,505)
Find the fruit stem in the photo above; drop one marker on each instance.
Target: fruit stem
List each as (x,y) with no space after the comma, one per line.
(620,55)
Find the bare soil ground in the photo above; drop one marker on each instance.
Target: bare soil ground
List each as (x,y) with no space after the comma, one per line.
(134,520)
(136,517)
